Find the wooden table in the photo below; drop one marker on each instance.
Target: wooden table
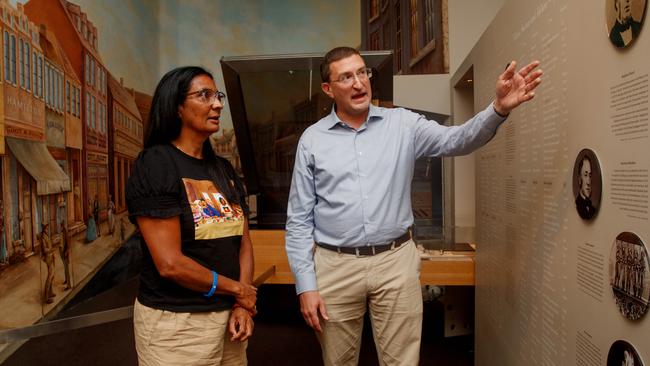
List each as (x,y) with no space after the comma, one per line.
(450,268)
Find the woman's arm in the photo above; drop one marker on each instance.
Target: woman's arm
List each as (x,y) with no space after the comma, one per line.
(246,260)
(163,238)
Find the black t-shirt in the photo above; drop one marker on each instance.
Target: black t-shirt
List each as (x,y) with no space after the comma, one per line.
(166,183)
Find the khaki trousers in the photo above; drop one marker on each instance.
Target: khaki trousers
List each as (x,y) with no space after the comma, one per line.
(169,338)
(389,285)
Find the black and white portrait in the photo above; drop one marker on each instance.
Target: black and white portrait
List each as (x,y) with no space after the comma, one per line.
(587,184)
(624,20)
(621,353)
(629,275)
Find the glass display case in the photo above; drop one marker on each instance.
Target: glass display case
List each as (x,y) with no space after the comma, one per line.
(273,99)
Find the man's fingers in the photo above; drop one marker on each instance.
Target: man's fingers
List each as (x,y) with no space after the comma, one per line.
(323,310)
(528,68)
(510,71)
(533,76)
(316,322)
(532,85)
(527,97)
(311,318)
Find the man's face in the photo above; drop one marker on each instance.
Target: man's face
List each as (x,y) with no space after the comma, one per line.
(352,99)
(628,360)
(623,11)
(585,179)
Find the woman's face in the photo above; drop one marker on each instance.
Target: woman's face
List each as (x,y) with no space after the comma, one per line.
(197,113)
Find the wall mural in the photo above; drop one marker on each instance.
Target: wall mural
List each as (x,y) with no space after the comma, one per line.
(75,93)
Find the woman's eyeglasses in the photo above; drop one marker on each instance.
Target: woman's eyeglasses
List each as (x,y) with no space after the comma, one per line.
(208,95)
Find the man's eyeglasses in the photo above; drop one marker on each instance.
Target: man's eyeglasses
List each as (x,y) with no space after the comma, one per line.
(208,95)
(361,74)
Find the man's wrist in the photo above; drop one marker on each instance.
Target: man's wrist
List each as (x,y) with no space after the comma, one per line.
(499,110)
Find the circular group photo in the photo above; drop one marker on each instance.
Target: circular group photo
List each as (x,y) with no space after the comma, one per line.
(624,20)
(629,275)
(621,353)
(587,184)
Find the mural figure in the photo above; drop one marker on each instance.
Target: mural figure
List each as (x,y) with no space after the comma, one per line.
(96,215)
(122,229)
(110,211)
(47,255)
(3,245)
(91,229)
(64,251)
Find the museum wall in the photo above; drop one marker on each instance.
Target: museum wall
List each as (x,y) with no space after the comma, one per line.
(560,281)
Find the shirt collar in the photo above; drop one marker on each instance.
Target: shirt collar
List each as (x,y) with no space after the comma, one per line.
(373,113)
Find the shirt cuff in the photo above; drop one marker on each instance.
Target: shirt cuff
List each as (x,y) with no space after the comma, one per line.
(305,282)
(497,113)
(493,119)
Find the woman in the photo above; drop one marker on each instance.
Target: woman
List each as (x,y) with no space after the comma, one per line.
(91,229)
(195,302)
(110,213)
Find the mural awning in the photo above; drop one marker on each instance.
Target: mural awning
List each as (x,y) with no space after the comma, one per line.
(35,158)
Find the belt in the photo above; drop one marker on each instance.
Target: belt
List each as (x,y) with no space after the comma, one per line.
(369,249)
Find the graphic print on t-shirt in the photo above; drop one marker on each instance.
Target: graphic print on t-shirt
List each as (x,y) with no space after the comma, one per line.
(214,217)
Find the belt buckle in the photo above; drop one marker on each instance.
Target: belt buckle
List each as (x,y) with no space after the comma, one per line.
(356,252)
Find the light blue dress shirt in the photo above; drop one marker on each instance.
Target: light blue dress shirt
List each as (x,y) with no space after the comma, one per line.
(352,187)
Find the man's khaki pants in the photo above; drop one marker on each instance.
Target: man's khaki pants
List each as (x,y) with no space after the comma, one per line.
(169,338)
(389,284)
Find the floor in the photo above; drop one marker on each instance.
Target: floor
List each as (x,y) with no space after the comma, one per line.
(281,336)
(21,283)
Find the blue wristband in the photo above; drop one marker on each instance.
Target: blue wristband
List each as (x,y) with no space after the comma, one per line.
(215,282)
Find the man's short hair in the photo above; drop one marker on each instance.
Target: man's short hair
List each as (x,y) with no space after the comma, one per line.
(334,55)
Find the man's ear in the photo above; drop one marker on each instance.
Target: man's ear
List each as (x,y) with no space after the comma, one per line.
(327,89)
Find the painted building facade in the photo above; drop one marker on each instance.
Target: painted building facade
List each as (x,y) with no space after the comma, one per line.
(125,137)
(34,184)
(78,38)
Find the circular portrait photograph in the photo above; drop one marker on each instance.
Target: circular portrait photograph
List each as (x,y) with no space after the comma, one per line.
(587,184)
(629,275)
(621,353)
(624,20)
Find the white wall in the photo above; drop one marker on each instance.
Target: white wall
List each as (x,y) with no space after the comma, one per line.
(468,19)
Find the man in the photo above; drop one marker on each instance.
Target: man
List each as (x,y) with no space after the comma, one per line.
(47,254)
(625,28)
(350,194)
(64,252)
(96,215)
(583,200)
(628,358)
